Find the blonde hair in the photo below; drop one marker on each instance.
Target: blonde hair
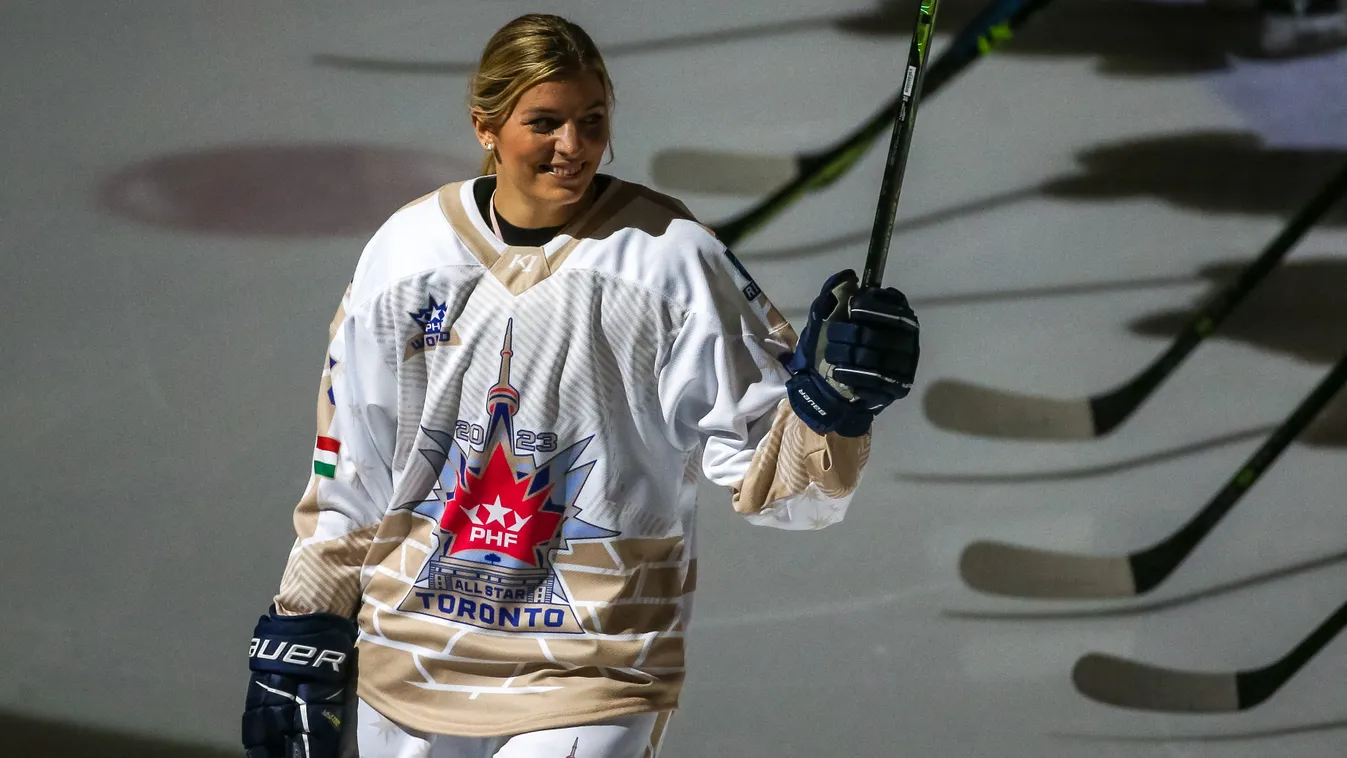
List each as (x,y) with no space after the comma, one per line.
(525,52)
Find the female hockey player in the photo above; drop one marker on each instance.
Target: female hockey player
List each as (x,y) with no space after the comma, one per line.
(524,379)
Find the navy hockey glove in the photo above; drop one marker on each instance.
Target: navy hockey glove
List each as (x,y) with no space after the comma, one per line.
(857,355)
(297,692)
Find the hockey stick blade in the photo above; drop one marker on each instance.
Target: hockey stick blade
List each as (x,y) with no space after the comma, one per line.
(1141,686)
(1127,684)
(984,411)
(813,171)
(1000,568)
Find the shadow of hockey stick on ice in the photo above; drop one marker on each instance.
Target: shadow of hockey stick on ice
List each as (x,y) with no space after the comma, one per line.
(1160,604)
(1098,470)
(1264,733)
(861,236)
(988,297)
(887,19)
(377,65)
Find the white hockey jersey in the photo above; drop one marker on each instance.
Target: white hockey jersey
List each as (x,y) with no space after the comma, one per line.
(507,455)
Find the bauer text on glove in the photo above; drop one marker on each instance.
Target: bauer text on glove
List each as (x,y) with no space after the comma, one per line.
(297,691)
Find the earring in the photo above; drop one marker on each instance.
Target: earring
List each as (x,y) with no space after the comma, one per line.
(488,147)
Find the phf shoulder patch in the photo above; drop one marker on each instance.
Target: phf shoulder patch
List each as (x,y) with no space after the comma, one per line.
(434,330)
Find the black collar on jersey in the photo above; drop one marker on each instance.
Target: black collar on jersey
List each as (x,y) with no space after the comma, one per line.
(519,236)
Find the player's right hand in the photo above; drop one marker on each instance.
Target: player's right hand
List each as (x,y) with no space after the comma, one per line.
(296,700)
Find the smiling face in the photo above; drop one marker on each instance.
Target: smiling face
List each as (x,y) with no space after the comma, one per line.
(548,150)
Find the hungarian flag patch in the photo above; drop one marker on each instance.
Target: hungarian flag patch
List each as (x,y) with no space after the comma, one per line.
(325,456)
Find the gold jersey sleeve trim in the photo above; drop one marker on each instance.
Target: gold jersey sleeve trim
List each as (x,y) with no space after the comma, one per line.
(324,577)
(306,511)
(792,456)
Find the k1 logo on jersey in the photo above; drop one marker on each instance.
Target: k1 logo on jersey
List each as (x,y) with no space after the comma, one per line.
(434,331)
(524,261)
(502,516)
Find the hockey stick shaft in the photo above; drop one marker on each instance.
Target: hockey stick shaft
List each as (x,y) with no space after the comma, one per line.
(1113,408)
(891,187)
(1257,686)
(1152,566)
(992,27)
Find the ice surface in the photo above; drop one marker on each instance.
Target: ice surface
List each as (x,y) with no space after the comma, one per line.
(155,443)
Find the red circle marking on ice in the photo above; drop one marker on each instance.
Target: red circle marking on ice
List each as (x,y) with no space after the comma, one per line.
(278,190)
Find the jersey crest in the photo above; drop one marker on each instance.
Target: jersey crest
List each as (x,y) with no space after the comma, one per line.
(502,515)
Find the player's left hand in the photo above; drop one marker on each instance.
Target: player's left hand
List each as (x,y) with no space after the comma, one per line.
(857,354)
(297,691)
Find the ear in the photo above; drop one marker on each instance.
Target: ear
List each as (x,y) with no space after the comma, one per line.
(485,136)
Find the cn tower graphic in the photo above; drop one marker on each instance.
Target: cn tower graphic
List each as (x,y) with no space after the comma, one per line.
(574,745)
(504,398)
(501,515)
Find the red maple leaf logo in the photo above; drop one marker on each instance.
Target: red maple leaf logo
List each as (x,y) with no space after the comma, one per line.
(493,511)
